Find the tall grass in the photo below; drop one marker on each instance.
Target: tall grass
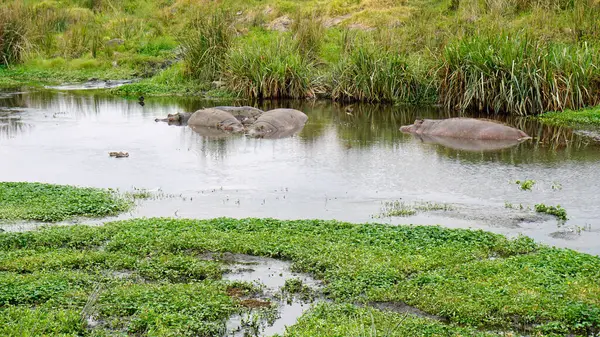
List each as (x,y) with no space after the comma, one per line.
(518,75)
(272,70)
(376,75)
(13,34)
(205,43)
(308,30)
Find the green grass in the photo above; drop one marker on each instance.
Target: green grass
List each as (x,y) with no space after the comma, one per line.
(498,56)
(584,117)
(51,203)
(474,278)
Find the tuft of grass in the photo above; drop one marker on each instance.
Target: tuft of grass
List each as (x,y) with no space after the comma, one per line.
(13,34)
(375,75)
(308,30)
(51,203)
(272,70)
(517,74)
(205,43)
(557,211)
(400,208)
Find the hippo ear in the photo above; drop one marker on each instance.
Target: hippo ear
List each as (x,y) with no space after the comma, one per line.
(170,115)
(419,121)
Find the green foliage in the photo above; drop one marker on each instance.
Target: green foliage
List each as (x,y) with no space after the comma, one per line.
(471,277)
(525,185)
(376,75)
(557,211)
(308,30)
(13,34)
(332,320)
(272,70)
(585,117)
(46,202)
(516,74)
(205,43)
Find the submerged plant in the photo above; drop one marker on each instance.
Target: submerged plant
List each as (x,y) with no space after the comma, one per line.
(525,185)
(557,211)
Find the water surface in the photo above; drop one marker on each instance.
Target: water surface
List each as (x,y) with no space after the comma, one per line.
(343,165)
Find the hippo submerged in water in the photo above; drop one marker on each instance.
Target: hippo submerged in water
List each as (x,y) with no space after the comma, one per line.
(277,123)
(464,128)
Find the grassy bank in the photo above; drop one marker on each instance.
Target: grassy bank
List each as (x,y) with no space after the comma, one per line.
(51,203)
(138,275)
(514,57)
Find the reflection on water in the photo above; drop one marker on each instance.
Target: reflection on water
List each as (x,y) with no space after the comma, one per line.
(344,163)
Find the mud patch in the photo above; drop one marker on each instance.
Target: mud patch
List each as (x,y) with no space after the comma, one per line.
(275,309)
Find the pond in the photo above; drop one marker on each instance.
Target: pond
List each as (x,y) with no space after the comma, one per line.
(347,162)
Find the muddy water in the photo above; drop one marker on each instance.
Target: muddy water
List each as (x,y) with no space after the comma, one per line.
(344,164)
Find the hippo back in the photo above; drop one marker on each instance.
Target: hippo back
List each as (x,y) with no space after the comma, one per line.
(278,121)
(245,114)
(215,118)
(469,128)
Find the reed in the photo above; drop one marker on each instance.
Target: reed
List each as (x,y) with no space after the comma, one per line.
(272,70)
(515,74)
(13,34)
(205,43)
(375,75)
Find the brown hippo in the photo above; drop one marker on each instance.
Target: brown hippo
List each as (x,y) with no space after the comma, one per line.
(214,118)
(278,123)
(467,128)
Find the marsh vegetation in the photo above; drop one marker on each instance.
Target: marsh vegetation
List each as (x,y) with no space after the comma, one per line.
(496,56)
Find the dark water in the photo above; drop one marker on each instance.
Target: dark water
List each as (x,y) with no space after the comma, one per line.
(344,164)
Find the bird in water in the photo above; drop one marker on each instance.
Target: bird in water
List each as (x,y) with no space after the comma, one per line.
(141,101)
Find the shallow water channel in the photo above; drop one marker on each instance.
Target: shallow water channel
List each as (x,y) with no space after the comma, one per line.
(345,164)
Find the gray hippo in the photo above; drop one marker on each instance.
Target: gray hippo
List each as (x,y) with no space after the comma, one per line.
(180,118)
(466,128)
(215,118)
(245,114)
(278,123)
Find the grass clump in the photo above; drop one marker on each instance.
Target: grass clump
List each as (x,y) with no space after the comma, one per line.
(205,43)
(51,203)
(272,70)
(13,34)
(399,208)
(557,211)
(376,75)
(514,73)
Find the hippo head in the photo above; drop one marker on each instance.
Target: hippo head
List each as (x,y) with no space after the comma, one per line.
(171,119)
(233,128)
(413,127)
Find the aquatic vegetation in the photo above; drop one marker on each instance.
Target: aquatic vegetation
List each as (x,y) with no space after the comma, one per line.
(525,185)
(589,116)
(138,275)
(557,211)
(50,203)
(401,208)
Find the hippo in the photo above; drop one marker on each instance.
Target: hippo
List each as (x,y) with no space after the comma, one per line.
(215,118)
(466,128)
(176,118)
(245,114)
(278,123)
